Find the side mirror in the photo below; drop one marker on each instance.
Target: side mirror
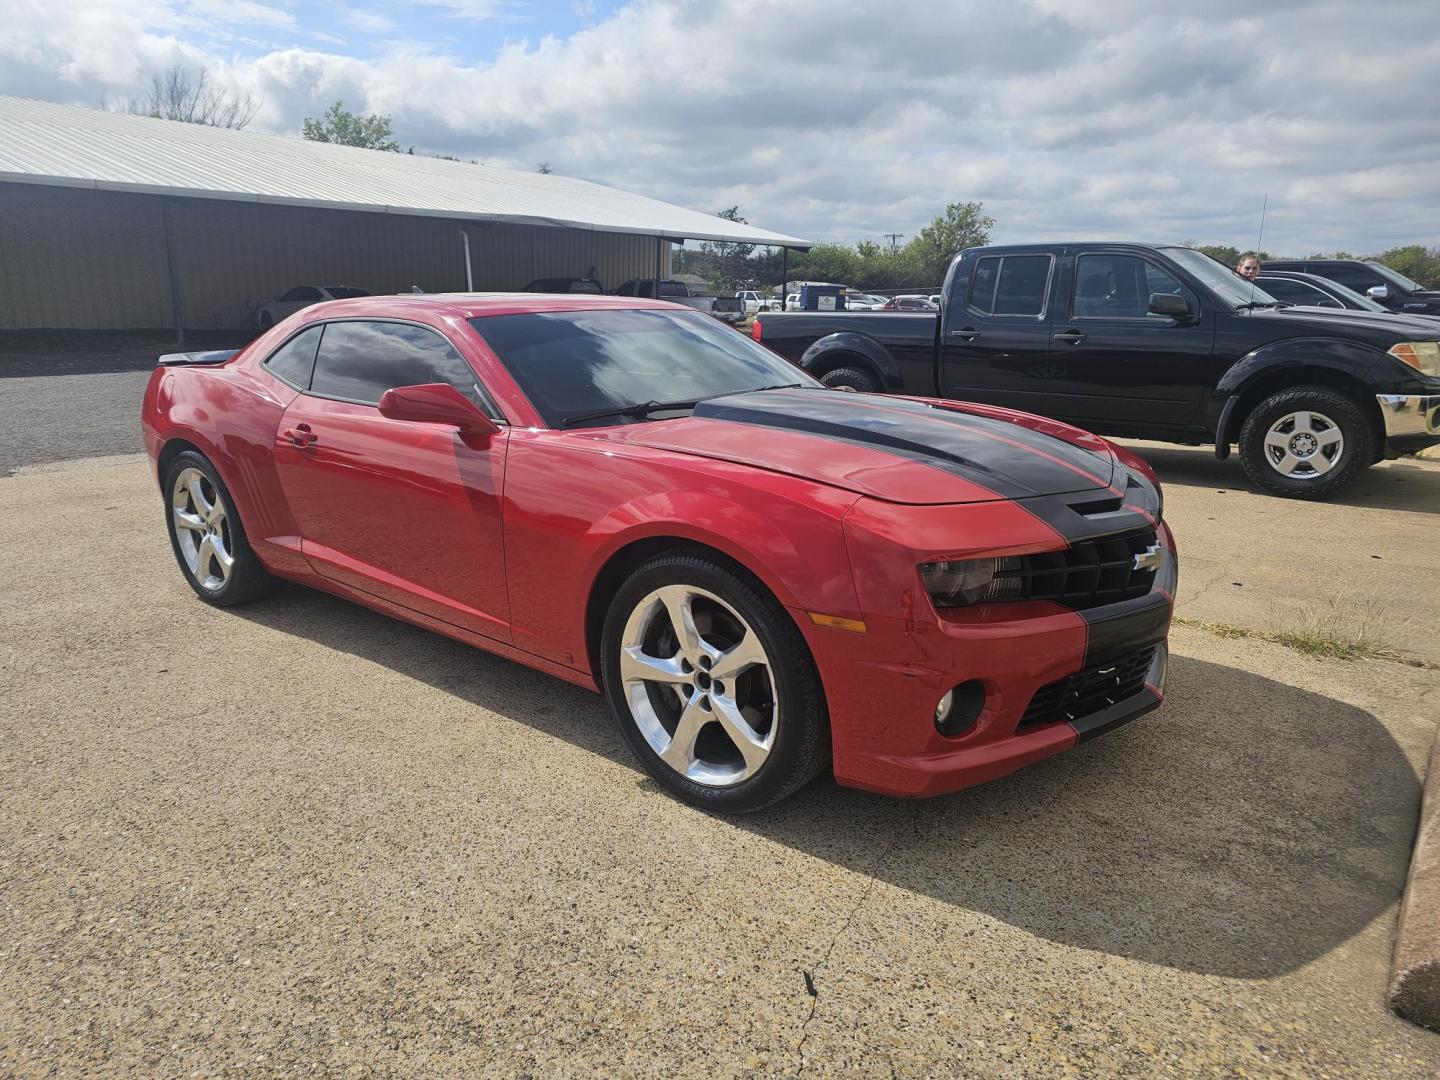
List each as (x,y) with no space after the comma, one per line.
(1378,292)
(1171,304)
(436,403)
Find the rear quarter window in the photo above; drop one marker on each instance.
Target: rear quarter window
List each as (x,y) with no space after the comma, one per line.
(294,361)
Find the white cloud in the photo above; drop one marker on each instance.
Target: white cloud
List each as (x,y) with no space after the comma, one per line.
(242,11)
(1118,119)
(367,21)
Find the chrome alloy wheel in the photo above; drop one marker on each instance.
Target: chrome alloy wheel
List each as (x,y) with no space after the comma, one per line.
(699,685)
(202,529)
(1304,445)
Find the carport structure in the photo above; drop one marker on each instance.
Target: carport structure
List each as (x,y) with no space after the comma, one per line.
(116,222)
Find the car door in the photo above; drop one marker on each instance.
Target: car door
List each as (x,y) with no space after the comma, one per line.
(995,340)
(1115,364)
(408,512)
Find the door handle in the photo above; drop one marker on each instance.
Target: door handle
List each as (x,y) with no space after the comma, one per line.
(301,436)
(967,334)
(1070,337)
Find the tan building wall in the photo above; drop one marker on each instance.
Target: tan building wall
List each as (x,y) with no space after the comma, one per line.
(77,258)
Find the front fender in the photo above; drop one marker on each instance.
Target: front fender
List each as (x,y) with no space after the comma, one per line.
(801,558)
(1352,359)
(852,341)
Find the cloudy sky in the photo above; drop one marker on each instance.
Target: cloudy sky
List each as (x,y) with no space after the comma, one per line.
(843,121)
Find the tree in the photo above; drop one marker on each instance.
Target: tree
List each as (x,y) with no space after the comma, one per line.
(338,126)
(826,262)
(544,168)
(1414,261)
(188,94)
(961,226)
(726,264)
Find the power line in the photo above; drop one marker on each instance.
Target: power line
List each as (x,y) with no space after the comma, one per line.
(894,238)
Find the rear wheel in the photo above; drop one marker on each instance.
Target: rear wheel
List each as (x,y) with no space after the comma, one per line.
(1306,443)
(712,684)
(852,377)
(207,537)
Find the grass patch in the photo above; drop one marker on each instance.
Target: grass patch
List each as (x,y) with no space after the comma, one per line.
(1326,631)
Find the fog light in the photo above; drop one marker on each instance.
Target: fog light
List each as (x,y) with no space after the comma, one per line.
(959,708)
(942,710)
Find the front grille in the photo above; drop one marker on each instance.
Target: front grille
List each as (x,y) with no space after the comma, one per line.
(1088,691)
(1084,575)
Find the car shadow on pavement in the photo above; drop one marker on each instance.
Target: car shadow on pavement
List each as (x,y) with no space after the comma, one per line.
(1397,485)
(1245,829)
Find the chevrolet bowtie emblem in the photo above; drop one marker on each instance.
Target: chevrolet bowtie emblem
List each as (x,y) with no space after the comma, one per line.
(1150,558)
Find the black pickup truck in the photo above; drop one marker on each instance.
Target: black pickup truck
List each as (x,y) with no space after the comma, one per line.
(1149,342)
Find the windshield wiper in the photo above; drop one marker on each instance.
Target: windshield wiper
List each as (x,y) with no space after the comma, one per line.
(782,386)
(644,408)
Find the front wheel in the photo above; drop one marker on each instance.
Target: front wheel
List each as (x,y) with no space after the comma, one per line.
(712,684)
(851,378)
(1306,443)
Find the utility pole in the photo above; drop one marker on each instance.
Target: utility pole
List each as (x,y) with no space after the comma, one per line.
(894,238)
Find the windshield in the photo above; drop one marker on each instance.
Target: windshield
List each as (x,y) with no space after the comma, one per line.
(570,363)
(339,292)
(1220,279)
(1395,278)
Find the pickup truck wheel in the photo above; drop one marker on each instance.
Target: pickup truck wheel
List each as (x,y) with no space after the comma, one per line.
(207,537)
(712,684)
(855,378)
(1306,443)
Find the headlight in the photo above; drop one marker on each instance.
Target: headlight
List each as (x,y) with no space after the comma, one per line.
(956,584)
(1423,356)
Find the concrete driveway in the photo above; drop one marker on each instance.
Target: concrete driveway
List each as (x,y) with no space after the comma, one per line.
(300,838)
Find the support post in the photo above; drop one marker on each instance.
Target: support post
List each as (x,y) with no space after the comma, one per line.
(175,309)
(469,277)
(659,254)
(784,279)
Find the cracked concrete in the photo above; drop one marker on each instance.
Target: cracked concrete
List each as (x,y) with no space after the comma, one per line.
(300,838)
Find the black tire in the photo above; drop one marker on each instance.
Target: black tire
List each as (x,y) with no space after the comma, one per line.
(801,746)
(1332,409)
(853,377)
(248,580)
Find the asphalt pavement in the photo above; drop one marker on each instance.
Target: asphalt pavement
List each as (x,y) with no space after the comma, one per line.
(298,837)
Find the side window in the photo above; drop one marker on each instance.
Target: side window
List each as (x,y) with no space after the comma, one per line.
(302,292)
(1118,286)
(359,361)
(1291,291)
(1020,289)
(1357,277)
(982,284)
(294,361)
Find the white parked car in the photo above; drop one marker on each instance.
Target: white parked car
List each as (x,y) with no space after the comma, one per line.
(302,296)
(859,301)
(754,301)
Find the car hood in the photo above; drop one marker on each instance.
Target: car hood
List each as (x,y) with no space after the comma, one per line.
(906,450)
(1403,326)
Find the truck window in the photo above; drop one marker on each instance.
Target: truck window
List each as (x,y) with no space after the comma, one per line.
(1010,284)
(1117,286)
(1355,276)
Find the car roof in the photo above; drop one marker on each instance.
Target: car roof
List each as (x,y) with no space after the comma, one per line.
(481,305)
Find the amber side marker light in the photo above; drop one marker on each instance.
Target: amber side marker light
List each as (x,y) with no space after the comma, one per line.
(836,622)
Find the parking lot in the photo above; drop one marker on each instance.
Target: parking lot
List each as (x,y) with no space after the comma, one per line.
(300,838)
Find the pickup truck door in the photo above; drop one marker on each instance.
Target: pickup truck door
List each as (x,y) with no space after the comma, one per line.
(995,332)
(1111,363)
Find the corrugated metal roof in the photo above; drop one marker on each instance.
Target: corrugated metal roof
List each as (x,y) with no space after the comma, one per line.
(45,143)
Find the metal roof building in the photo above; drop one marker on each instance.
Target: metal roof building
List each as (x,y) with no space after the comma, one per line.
(113,221)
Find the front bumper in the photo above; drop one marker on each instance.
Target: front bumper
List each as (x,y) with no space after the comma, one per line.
(1409,415)
(882,686)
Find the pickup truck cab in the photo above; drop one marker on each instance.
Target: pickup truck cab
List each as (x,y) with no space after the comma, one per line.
(1148,342)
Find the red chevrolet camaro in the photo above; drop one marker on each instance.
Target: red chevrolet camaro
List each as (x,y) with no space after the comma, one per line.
(763,576)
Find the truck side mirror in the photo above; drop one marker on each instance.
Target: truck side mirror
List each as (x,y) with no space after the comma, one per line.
(1170,304)
(1378,293)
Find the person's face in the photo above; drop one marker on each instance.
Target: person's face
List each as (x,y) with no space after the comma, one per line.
(1248,268)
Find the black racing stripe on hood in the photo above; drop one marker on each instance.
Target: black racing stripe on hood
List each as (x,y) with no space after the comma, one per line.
(1020,465)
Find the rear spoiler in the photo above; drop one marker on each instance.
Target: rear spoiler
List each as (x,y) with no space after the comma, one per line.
(213,356)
